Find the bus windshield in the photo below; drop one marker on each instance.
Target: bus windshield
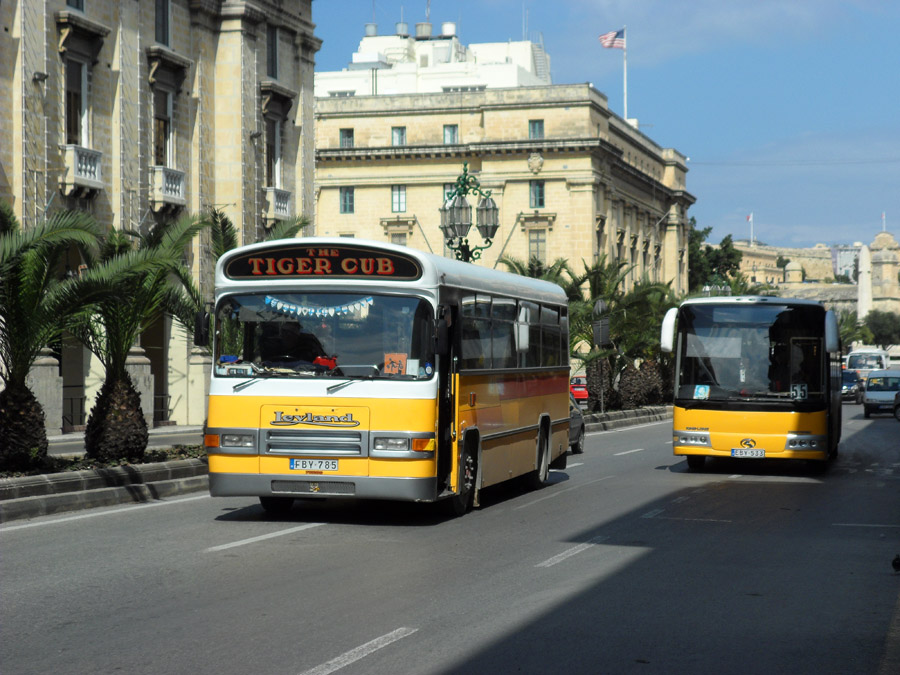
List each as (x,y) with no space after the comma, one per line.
(751,352)
(293,334)
(866,362)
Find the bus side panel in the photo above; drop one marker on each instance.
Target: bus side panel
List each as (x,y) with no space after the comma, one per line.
(728,430)
(507,408)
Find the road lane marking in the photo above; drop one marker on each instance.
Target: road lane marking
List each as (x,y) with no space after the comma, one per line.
(654,514)
(95,514)
(568,553)
(627,452)
(864,525)
(262,537)
(360,652)
(559,492)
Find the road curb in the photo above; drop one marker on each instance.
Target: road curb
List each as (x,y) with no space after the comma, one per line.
(46,494)
(618,419)
(46,505)
(49,494)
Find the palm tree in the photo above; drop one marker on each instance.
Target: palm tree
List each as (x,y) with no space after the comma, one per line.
(741,285)
(558,272)
(34,303)
(116,427)
(852,330)
(225,236)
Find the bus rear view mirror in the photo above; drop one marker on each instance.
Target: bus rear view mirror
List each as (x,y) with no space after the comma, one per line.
(667,333)
(201,329)
(832,333)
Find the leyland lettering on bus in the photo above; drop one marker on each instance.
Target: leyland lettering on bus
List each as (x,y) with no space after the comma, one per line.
(318,262)
(318,420)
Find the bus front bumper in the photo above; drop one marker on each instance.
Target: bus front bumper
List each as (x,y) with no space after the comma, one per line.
(321,487)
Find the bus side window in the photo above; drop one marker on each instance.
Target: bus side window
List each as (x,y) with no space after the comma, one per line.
(476,332)
(550,336)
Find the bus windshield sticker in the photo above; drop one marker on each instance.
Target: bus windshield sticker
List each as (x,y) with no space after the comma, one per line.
(296,310)
(701,391)
(395,364)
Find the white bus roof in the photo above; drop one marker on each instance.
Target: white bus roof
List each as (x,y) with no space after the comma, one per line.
(436,271)
(750,300)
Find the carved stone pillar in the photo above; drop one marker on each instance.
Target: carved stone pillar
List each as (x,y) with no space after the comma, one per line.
(45,383)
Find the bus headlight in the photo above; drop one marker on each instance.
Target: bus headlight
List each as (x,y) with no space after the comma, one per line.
(391,444)
(238,441)
(691,438)
(804,442)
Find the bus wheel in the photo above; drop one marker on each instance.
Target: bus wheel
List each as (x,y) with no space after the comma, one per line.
(276,505)
(539,477)
(696,462)
(460,504)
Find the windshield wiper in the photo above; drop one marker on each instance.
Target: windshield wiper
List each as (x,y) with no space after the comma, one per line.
(350,378)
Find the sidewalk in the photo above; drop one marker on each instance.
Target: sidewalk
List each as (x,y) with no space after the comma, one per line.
(48,494)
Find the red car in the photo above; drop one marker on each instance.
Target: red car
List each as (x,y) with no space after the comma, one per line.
(578,387)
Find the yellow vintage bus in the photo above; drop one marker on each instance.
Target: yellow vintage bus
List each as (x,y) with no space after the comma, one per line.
(755,377)
(362,370)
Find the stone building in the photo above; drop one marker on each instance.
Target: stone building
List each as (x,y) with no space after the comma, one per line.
(878,285)
(572,179)
(142,110)
(759,261)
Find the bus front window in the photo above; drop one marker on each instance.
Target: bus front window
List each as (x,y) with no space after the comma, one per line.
(294,334)
(728,353)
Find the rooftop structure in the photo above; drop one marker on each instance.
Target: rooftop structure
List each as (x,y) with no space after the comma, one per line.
(433,63)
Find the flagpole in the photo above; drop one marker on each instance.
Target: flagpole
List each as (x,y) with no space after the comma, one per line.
(625,70)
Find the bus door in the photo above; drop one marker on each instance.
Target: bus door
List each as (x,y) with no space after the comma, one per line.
(447,383)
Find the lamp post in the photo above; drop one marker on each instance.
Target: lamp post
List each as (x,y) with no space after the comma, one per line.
(456,217)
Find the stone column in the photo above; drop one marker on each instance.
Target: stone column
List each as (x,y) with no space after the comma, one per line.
(864,284)
(199,371)
(45,383)
(138,367)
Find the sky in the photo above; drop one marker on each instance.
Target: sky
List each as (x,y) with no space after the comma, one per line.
(786,109)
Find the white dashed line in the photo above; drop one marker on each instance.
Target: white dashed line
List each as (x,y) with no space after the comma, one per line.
(360,652)
(262,537)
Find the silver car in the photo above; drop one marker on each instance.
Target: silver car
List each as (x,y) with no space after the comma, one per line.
(576,426)
(881,388)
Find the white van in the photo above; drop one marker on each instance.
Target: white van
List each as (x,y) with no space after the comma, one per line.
(881,387)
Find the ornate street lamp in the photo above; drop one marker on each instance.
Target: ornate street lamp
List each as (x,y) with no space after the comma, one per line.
(456,217)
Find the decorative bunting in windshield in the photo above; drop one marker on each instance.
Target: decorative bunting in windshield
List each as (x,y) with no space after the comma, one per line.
(290,309)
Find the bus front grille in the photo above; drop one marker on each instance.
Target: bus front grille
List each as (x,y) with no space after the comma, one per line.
(309,487)
(318,442)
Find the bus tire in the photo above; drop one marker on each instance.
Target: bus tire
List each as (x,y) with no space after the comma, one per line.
(276,505)
(460,504)
(695,462)
(540,476)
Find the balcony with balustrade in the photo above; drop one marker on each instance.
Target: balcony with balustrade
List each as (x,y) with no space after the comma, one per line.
(278,204)
(168,189)
(83,175)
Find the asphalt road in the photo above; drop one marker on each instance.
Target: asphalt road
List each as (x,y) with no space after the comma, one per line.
(626,563)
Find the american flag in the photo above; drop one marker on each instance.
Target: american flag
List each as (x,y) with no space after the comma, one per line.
(615,39)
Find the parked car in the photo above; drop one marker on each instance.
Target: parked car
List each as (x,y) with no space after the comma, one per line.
(850,386)
(576,427)
(897,406)
(578,389)
(881,391)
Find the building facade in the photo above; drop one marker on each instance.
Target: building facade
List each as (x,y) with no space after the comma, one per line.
(571,179)
(138,111)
